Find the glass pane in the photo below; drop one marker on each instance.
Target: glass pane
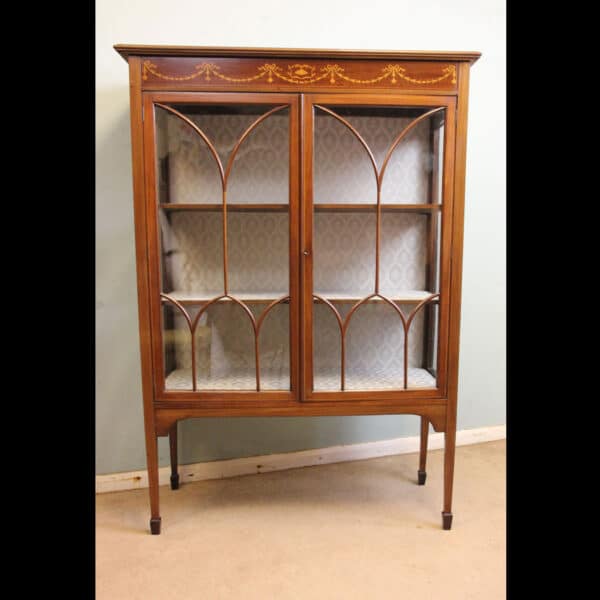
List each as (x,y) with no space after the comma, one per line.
(431,331)
(351,263)
(258,255)
(419,375)
(344,254)
(273,347)
(228,363)
(327,347)
(437,151)
(177,348)
(260,170)
(343,173)
(187,169)
(223,347)
(209,155)
(187,172)
(192,254)
(375,350)
(403,255)
(407,177)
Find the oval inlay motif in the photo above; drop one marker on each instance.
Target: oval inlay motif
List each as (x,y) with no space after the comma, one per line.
(301,72)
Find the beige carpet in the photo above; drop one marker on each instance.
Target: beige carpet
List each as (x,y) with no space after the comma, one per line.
(360,530)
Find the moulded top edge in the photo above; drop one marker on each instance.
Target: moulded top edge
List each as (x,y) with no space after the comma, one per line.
(127,50)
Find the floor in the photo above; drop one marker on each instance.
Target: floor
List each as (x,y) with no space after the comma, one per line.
(360,530)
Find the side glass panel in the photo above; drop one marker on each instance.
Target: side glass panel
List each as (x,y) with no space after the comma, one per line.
(223,191)
(377,196)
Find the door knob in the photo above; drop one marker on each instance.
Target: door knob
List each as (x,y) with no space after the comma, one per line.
(306,253)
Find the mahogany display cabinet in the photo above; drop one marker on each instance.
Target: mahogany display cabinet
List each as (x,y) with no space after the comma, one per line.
(299,233)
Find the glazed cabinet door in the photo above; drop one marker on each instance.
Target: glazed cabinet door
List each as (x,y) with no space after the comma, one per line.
(222,187)
(377,211)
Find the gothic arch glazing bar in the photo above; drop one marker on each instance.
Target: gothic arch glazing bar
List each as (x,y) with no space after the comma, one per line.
(402,135)
(201,133)
(246,133)
(340,323)
(191,327)
(356,134)
(411,316)
(259,323)
(349,316)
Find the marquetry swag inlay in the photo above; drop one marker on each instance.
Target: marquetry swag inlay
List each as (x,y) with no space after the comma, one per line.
(299,74)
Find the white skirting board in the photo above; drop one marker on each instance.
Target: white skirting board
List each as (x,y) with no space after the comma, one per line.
(219,469)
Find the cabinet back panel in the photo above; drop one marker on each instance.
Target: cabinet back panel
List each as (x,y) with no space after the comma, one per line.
(258,252)
(344,253)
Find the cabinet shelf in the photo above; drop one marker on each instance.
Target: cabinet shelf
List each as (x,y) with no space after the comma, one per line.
(247,297)
(358,207)
(319,207)
(404,297)
(218,207)
(324,380)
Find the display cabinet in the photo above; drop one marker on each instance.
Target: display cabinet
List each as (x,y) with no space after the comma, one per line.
(298,218)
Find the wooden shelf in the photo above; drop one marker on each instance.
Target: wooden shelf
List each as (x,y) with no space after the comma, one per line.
(230,207)
(247,297)
(420,208)
(357,207)
(403,297)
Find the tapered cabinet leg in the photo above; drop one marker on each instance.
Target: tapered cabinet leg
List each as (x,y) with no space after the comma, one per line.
(422,473)
(173,449)
(449,451)
(152,460)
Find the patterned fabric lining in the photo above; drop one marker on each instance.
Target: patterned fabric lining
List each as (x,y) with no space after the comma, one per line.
(181,379)
(343,172)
